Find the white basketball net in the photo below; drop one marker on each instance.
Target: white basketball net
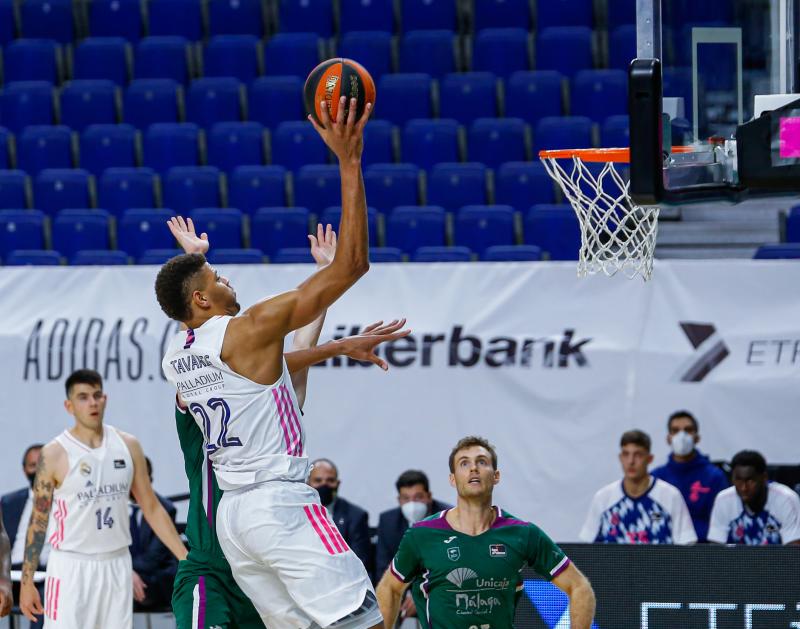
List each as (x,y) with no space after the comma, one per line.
(615,235)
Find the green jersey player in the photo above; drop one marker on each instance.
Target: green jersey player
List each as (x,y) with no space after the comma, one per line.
(463,564)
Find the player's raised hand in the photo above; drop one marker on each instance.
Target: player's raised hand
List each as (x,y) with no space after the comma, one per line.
(187,238)
(323,245)
(362,346)
(30,603)
(345,137)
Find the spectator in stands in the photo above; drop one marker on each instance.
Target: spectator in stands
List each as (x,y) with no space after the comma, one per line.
(754,512)
(351,519)
(691,471)
(154,566)
(640,509)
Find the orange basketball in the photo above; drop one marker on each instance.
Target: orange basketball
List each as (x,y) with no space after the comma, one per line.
(335,78)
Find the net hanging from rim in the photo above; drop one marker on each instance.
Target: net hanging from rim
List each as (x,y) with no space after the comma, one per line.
(616,235)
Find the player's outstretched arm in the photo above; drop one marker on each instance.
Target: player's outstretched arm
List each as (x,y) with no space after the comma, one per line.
(152,510)
(6,598)
(390,593)
(581,596)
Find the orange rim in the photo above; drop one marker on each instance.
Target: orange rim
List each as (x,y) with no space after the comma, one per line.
(616,155)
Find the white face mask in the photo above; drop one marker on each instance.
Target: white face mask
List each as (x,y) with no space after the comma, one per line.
(414,511)
(682,443)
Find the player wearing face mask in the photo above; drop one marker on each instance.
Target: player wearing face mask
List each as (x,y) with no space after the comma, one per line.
(698,480)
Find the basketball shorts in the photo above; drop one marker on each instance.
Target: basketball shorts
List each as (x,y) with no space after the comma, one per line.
(289,558)
(88,591)
(205,596)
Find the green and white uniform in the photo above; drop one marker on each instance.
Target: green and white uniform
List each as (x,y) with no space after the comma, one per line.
(462,581)
(205,595)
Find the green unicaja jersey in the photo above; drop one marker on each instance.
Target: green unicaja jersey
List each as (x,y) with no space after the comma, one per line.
(461,581)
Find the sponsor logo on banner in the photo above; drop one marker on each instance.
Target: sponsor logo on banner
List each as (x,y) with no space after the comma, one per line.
(710,351)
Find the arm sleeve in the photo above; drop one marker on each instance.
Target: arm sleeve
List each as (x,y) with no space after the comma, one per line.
(544,555)
(718,526)
(407,561)
(790,529)
(591,527)
(682,527)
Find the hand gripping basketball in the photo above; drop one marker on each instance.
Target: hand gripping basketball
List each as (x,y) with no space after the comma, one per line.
(344,137)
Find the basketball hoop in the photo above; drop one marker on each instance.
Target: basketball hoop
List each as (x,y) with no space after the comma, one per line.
(615,234)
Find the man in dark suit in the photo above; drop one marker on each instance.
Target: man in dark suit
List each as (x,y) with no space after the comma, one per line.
(154,566)
(350,519)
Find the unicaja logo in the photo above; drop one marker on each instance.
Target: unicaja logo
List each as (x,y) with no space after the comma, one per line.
(710,351)
(459,575)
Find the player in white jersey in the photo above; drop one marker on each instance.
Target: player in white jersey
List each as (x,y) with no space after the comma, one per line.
(86,475)
(284,550)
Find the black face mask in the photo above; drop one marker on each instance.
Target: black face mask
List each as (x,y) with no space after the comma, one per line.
(31,478)
(326,494)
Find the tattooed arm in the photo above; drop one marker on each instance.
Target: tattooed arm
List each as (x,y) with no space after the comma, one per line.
(6,599)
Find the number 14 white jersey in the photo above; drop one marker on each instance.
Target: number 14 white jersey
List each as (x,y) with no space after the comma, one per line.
(252,431)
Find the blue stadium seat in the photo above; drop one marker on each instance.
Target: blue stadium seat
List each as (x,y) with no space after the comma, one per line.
(31,60)
(272,100)
(482,226)
(293,255)
(432,52)
(793,224)
(13,189)
(234,144)
(553,228)
(678,84)
(512,253)
(565,13)
(333,215)
(122,188)
(410,227)
(5,148)
(455,185)
(466,96)
(167,145)
(158,256)
(571,132)
(272,228)
(429,142)
(41,147)
(418,15)
(106,146)
(390,185)
(33,257)
(378,143)
(140,229)
(366,15)
(88,102)
(8,27)
(21,229)
(566,49)
(372,49)
(115,18)
(164,57)
(102,58)
(493,141)
(190,187)
(521,184)
(779,251)
(58,188)
(48,19)
(236,17)
(26,103)
(148,101)
(622,46)
(253,187)
(295,144)
(223,225)
(213,100)
(598,94)
(317,187)
(615,131)
(74,230)
(503,14)
(236,256)
(232,55)
(621,12)
(534,95)
(404,96)
(385,254)
(315,16)
(291,54)
(98,257)
(442,254)
(176,17)
(501,51)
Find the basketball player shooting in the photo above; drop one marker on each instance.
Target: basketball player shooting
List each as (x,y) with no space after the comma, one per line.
(283,548)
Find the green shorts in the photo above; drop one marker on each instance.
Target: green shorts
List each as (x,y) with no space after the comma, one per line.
(205,596)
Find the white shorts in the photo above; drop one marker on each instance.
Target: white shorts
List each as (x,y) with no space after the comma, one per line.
(289,558)
(88,591)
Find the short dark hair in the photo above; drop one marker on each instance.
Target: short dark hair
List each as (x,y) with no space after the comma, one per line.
(636,437)
(329,462)
(83,376)
(33,446)
(173,284)
(750,458)
(685,414)
(409,478)
(469,442)
(149,464)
